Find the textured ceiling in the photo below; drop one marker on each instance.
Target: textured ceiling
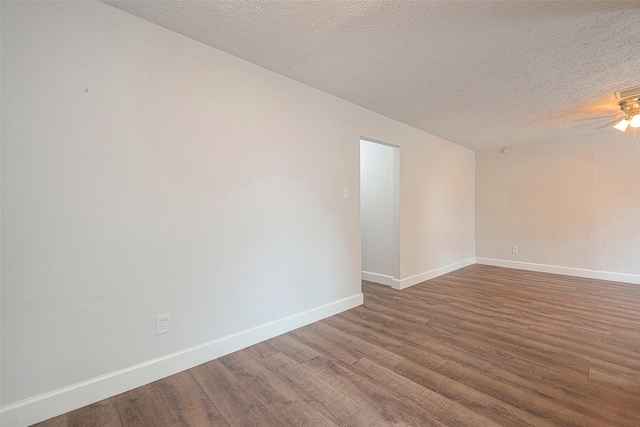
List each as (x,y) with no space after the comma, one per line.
(480,74)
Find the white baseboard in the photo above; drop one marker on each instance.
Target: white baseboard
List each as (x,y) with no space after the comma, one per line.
(60,401)
(432,274)
(380,278)
(567,271)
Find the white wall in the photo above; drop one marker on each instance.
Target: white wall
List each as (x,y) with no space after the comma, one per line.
(379,210)
(573,203)
(145,173)
(436,195)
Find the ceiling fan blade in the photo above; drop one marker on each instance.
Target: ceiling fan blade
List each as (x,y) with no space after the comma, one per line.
(597,118)
(610,123)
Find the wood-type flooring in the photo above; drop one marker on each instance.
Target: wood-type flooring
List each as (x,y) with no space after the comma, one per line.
(482,346)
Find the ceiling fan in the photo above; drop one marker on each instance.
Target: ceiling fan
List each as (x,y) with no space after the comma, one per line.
(630,107)
(629,103)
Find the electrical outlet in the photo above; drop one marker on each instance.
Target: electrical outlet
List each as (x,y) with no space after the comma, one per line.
(162,324)
(514,249)
(345,192)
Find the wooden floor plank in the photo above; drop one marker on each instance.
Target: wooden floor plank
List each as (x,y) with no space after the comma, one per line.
(533,403)
(564,397)
(188,403)
(283,401)
(380,355)
(430,353)
(344,408)
(495,408)
(324,346)
(445,410)
(262,350)
(384,405)
(236,402)
(143,408)
(294,348)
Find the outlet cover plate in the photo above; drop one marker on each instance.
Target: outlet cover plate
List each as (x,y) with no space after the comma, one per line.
(162,324)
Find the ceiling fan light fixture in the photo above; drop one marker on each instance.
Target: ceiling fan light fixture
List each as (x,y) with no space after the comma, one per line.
(622,125)
(630,107)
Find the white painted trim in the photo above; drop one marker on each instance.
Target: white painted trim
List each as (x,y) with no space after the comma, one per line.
(48,405)
(419,278)
(567,271)
(381,279)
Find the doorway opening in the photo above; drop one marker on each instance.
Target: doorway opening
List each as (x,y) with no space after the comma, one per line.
(380,212)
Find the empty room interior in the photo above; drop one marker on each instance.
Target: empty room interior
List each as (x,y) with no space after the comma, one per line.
(320,213)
